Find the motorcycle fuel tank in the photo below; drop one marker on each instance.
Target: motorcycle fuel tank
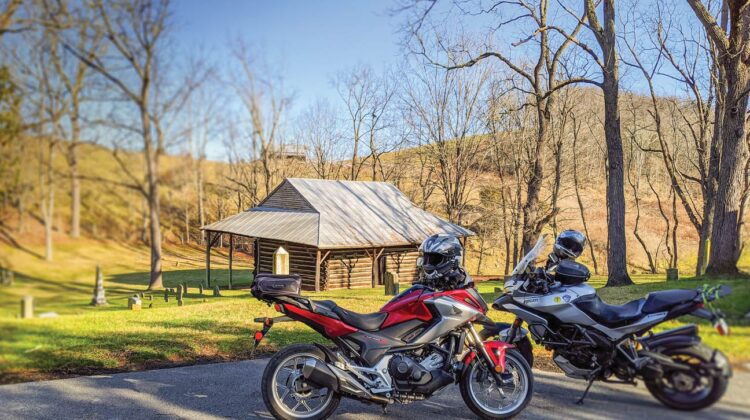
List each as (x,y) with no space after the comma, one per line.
(559,302)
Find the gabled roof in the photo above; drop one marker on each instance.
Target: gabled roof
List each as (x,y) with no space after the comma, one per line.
(338,214)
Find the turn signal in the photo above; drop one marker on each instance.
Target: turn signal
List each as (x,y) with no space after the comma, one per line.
(721,327)
(499,369)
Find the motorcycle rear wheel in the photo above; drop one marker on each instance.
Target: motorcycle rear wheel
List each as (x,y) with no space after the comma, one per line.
(689,390)
(286,393)
(476,380)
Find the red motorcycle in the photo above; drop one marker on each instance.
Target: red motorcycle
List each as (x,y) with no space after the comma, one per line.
(421,341)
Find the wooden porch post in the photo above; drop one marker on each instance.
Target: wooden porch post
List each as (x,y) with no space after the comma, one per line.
(464,240)
(256,256)
(375,268)
(208,258)
(317,270)
(231,252)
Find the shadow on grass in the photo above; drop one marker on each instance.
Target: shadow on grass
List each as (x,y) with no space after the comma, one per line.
(241,278)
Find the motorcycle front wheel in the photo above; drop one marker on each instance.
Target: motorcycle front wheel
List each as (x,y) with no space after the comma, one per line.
(287,394)
(691,389)
(488,401)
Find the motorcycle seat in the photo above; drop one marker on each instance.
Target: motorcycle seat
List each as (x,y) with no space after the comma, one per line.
(612,316)
(367,322)
(323,307)
(667,299)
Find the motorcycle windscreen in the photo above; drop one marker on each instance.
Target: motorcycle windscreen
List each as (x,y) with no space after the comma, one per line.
(541,244)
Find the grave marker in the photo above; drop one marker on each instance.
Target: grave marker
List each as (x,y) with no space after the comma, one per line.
(134,303)
(391,283)
(27,307)
(99,298)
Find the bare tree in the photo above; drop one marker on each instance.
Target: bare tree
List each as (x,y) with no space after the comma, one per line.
(137,35)
(605,34)
(48,104)
(367,98)
(266,103)
(690,58)
(318,128)
(74,75)
(539,80)
(577,187)
(634,174)
(733,62)
(203,124)
(445,114)
(8,13)
(244,171)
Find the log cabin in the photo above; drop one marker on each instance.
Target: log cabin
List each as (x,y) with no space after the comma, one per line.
(339,234)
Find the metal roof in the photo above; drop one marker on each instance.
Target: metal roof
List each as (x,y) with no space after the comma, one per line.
(347,214)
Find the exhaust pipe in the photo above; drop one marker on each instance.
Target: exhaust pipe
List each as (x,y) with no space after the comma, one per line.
(320,374)
(329,376)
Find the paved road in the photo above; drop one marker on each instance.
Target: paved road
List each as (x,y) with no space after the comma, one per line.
(232,390)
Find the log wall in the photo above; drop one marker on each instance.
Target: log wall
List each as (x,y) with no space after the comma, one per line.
(342,269)
(348,269)
(402,261)
(301,260)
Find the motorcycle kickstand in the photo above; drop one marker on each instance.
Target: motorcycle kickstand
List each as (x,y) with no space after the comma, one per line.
(592,378)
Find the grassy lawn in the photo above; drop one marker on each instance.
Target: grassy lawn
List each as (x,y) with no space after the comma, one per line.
(91,340)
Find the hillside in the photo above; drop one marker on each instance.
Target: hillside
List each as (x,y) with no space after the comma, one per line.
(114,213)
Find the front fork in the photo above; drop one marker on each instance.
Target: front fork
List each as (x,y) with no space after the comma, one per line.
(514,330)
(495,369)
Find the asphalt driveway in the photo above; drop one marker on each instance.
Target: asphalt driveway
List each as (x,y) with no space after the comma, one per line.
(232,390)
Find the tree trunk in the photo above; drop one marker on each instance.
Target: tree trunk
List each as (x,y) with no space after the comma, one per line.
(576,186)
(651,264)
(201,209)
(531,228)
(75,195)
(187,224)
(155,231)
(517,222)
(151,155)
(75,180)
(725,243)
(48,202)
(355,172)
(676,254)
(617,249)
(144,220)
(709,190)
(481,255)
(617,253)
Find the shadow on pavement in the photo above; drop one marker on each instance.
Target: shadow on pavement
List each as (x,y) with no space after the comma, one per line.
(233,390)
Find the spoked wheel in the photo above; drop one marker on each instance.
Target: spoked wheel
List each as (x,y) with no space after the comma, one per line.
(483,396)
(287,394)
(691,389)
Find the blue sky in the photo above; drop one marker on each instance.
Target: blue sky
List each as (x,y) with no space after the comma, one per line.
(309,41)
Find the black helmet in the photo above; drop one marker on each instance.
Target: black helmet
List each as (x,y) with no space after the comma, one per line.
(569,244)
(440,255)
